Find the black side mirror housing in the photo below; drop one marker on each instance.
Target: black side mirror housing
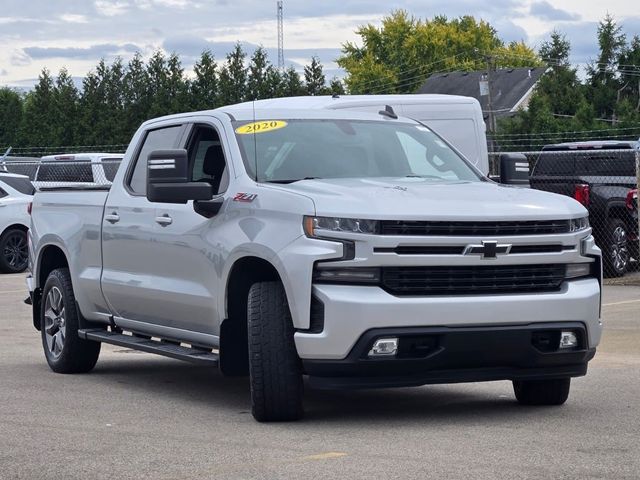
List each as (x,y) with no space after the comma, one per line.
(514,169)
(168,178)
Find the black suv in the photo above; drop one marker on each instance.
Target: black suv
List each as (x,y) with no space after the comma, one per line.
(600,175)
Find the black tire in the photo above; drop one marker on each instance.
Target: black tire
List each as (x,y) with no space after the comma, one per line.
(14,252)
(542,392)
(615,249)
(274,366)
(71,354)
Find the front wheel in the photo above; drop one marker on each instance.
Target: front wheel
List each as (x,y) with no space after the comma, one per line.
(616,249)
(14,253)
(64,350)
(274,366)
(542,392)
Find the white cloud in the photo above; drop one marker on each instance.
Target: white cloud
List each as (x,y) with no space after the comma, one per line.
(73,18)
(110,8)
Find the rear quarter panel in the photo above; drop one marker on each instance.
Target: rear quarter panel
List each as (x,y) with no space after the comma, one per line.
(72,221)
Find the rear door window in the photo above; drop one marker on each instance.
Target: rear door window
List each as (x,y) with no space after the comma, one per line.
(110,166)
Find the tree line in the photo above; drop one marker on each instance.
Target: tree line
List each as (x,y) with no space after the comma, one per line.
(605,104)
(116,98)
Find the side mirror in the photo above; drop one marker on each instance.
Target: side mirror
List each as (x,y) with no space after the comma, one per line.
(168,179)
(514,169)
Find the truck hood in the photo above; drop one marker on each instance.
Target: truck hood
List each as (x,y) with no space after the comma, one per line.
(420,199)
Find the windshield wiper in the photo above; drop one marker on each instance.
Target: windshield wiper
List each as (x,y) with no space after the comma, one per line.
(293,180)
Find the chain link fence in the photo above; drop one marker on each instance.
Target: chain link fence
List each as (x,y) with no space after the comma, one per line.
(66,171)
(606,182)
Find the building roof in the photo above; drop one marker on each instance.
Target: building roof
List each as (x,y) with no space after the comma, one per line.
(510,87)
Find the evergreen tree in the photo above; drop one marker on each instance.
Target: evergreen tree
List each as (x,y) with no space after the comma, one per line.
(10,118)
(66,109)
(314,77)
(136,94)
(39,115)
(177,88)
(259,70)
(232,81)
(204,87)
(292,85)
(560,84)
(629,69)
(336,86)
(602,74)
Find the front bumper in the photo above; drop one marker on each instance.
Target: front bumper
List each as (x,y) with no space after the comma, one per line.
(350,311)
(457,354)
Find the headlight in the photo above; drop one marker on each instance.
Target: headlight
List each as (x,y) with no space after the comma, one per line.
(314,226)
(578,224)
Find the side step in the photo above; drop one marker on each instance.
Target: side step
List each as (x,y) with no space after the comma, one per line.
(194,355)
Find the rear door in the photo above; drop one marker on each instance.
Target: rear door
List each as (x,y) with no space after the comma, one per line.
(132,277)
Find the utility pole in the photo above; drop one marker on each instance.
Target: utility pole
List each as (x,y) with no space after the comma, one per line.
(492,117)
(280,37)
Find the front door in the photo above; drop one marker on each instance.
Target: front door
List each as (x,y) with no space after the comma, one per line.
(169,282)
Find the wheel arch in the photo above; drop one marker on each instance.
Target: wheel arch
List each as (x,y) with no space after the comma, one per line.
(50,257)
(243,273)
(15,226)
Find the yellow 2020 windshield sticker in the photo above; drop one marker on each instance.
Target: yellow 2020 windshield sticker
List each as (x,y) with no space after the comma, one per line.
(260,127)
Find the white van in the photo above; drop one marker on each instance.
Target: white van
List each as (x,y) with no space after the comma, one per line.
(457,119)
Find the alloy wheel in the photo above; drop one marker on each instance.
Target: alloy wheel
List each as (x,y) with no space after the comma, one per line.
(16,251)
(54,322)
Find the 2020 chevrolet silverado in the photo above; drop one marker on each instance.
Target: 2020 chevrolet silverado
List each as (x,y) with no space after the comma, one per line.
(354,248)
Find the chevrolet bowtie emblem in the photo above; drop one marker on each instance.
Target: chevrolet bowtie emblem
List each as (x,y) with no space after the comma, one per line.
(488,250)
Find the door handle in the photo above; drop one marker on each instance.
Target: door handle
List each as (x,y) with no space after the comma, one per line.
(164,220)
(112,218)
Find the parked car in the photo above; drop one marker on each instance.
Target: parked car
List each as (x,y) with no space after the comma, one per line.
(77,170)
(599,174)
(15,196)
(355,248)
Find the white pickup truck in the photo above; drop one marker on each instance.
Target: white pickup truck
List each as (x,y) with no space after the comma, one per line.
(358,249)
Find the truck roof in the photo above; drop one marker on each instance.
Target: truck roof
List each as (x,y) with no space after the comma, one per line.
(594,144)
(71,157)
(246,112)
(343,101)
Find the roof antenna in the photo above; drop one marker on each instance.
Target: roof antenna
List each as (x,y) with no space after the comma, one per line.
(388,112)
(255,140)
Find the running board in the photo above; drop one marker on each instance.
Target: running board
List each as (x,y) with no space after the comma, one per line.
(194,355)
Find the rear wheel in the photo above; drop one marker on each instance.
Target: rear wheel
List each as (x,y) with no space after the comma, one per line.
(616,254)
(274,366)
(542,392)
(64,350)
(14,252)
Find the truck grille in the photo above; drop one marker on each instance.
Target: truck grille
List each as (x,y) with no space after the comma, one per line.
(469,280)
(422,228)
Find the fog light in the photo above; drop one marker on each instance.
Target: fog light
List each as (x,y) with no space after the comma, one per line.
(576,270)
(568,340)
(384,347)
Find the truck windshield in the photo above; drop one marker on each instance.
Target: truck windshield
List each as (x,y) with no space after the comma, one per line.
(285,151)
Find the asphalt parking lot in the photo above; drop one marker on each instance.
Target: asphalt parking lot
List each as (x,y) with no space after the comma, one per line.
(141,416)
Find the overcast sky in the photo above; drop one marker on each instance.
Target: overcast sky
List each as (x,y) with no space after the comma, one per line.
(77,33)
